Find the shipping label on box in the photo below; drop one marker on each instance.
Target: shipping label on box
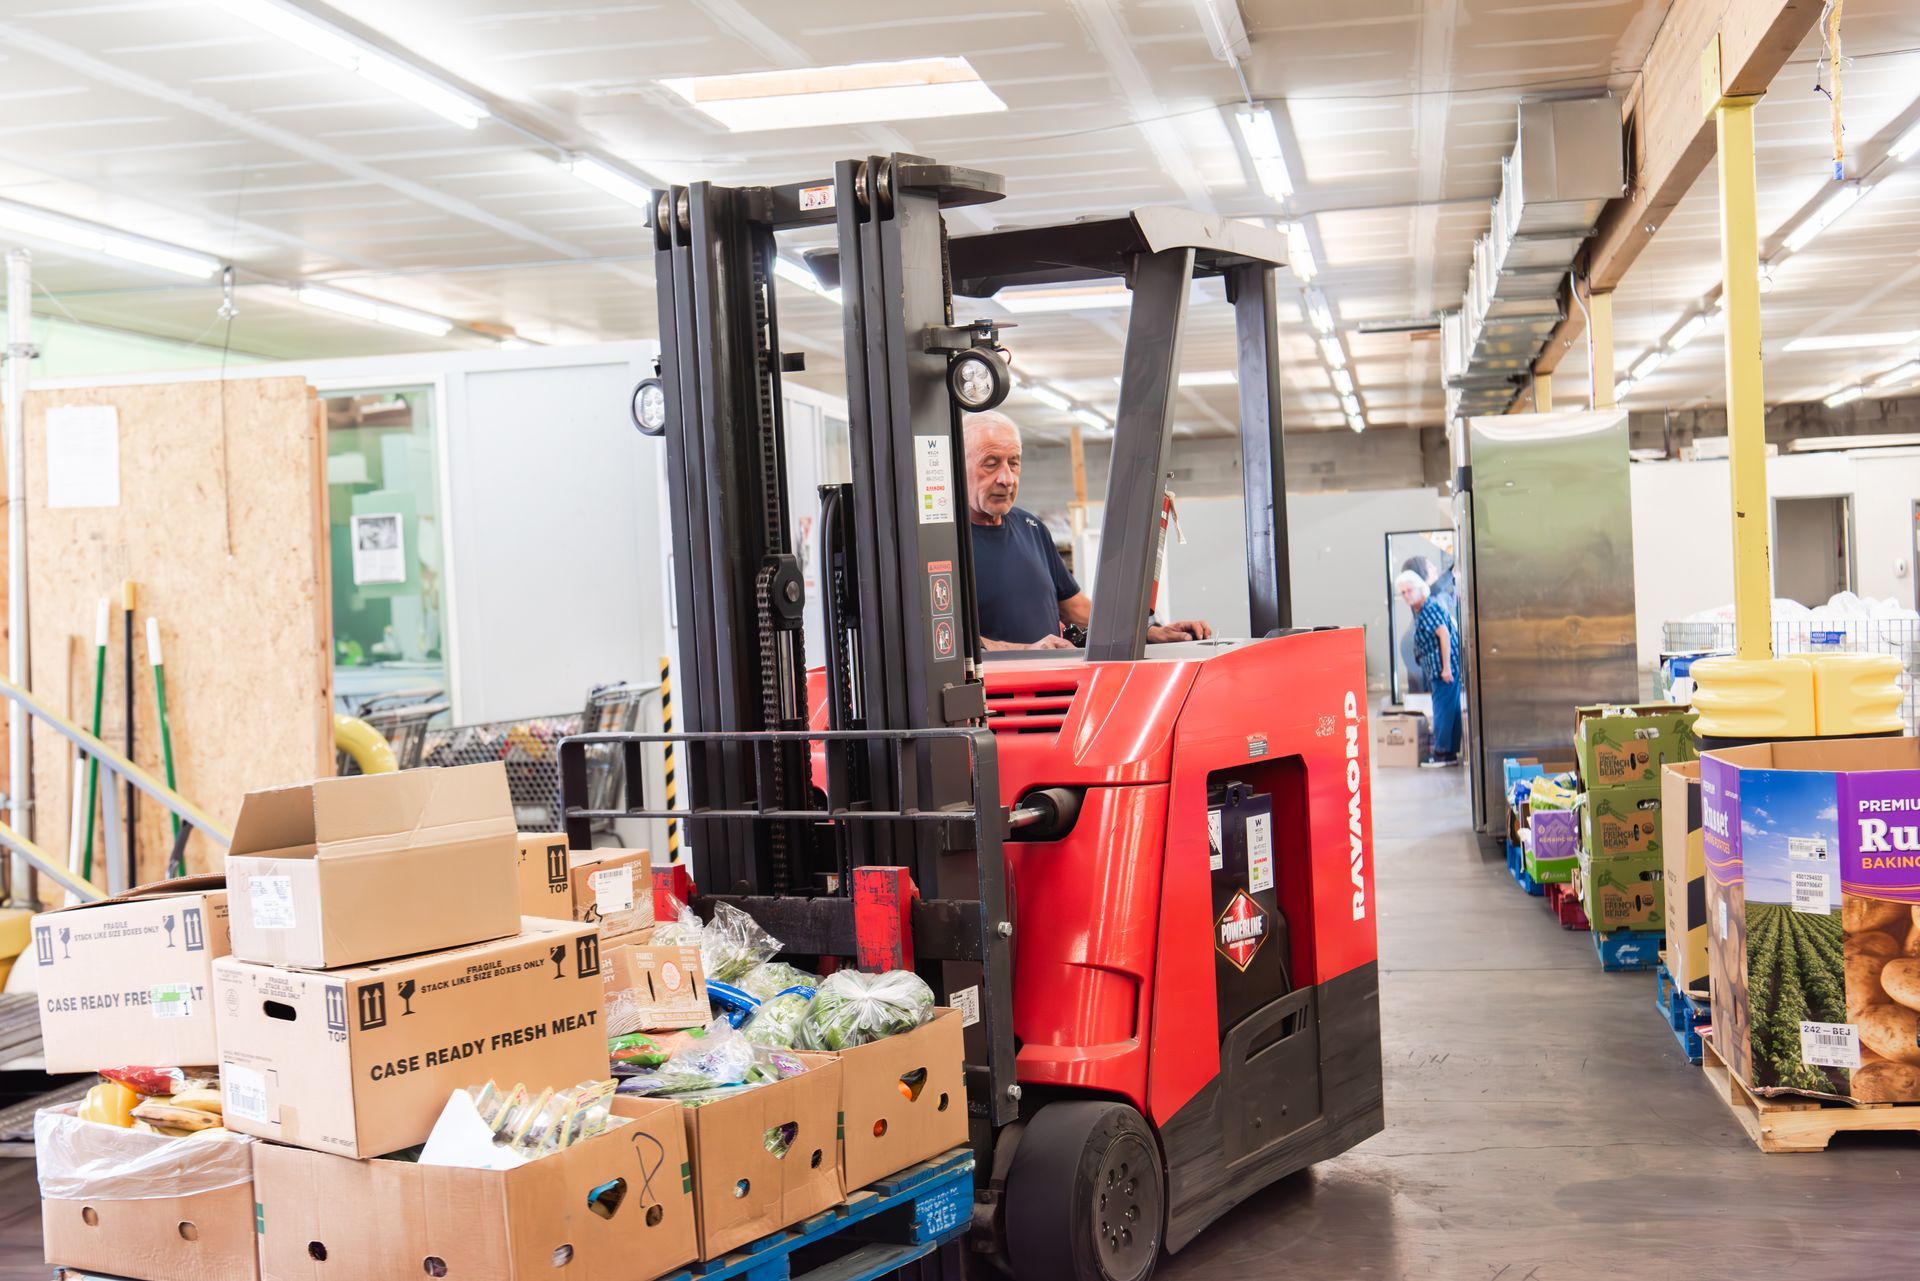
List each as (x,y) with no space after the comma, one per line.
(348,870)
(652,986)
(360,1061)
(129,981)
(1621,820)
(765,1157)
(619,1204)
(1813,884)
(546,882)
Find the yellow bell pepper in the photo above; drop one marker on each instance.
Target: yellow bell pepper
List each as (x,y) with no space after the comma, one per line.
(110,1103)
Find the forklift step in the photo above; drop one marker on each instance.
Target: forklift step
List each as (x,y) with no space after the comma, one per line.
(875,1231)
(1628,949)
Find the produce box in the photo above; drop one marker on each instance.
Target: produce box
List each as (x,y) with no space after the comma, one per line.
(1620,891)
(613,889)
(653,986)
(618,1205)
(126,981)
(1551,871)
(348,870)
(1624,746)
(1621,820)
(360,1061)
(765,1157)
(1683,855)
(1813,876)
(144,1206)
(1556,834)
(1400,739)
(546,888)
(903,1099)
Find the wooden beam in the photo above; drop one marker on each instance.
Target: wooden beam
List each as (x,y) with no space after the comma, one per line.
(1669,141)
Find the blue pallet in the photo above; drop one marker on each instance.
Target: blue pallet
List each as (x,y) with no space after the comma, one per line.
(1684,1014)
(1517,868)
(1628,949)
(938,1195)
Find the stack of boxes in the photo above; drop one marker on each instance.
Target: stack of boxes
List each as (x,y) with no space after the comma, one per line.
(1621,752)
(1553,832)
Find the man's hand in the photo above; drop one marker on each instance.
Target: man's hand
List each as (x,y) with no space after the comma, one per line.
(1052,642)
(1190,629)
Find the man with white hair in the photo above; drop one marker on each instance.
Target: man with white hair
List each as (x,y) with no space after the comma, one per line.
(1025,591)
(1438,651)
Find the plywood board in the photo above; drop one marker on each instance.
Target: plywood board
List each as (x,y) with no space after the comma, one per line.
(221,527)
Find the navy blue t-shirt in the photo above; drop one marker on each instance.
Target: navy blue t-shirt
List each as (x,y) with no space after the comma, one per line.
(1019,579)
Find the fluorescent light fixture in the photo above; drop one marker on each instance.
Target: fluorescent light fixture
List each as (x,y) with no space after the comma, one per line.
(1647,364)
(1825,216)
(1330,348)
(1845,396)
(40,224)
(596,172)
(1065,298)
(1688,331)
(1834,444)
(1906,144)
(1319,315)
(1845,342)
(857,93)
(1625,385)
(1300,252)
(380,313)
(1343,382)
(512,344)
(1357,421)
(1351,404)
(297,26)
(1262,136)
(1048,397)
(1091,418)
(1903,374)
(1209,378)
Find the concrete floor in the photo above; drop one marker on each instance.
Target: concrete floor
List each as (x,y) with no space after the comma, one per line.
(1541,1124)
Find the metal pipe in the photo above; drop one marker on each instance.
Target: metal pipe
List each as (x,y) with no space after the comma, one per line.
(20,883)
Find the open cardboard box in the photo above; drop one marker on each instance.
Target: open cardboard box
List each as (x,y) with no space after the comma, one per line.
(765,1157)
(903,1099)
(342,871)
(615,1207)
(653,986)
(130,979)
(173,1210)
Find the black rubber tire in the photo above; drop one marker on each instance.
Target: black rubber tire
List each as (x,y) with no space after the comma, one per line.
(1054,1206)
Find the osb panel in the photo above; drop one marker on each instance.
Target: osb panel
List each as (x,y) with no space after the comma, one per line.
(221,528)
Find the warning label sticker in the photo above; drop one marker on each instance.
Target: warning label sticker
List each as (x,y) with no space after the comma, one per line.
(933,468)
(1259,853)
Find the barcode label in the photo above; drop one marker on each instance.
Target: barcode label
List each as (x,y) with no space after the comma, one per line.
(272,900)
(1830,1045)
(967,1001)
(171,1001)
(613,889)
(1723,920)
(244,1091)
(1812,848)
(1810,893)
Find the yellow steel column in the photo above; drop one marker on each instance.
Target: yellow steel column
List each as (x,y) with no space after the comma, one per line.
(1746,393)
(1543,393)
(1600,348)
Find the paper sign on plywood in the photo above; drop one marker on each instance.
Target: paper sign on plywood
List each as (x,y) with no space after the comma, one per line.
(83,456)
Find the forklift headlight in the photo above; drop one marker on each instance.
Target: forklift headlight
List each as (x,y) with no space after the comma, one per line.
(978,380)
(650,407)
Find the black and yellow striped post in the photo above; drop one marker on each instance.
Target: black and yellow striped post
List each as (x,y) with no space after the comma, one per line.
(666,762)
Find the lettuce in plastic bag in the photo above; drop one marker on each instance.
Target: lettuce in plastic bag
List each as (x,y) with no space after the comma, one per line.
(731,945)
(777,1022)
(716,1055)
(770,980)
(853,1008)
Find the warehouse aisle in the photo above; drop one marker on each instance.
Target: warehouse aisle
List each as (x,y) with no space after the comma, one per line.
(1541,1122)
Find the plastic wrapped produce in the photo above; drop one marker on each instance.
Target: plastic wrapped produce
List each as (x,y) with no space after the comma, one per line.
(731,945)
(716,1055)
(852,1008)
(776,1023)
(770,980)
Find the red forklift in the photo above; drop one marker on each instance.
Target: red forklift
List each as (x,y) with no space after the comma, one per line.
(1145,871)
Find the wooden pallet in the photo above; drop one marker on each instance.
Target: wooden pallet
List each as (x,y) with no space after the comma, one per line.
(1800,1125)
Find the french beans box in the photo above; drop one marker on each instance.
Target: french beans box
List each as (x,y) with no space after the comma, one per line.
(360,1061)
(1625,746)
(613,1207)
(1813,883)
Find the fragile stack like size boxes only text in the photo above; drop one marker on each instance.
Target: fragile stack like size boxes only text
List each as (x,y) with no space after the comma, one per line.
(1621,752)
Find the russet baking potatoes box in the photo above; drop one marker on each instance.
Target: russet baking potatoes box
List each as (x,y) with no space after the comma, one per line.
(1813,915)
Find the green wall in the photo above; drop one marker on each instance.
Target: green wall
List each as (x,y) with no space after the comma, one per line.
(68,349)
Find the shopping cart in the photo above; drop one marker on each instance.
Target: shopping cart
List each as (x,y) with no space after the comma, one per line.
(529,748)
(401,717)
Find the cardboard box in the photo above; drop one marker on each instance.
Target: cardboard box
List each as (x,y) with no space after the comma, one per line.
(765,1157)
(1621,820)
(617,1205)
(1621,891)
(348,870)
(1813,876)
(360,1061)
(1400,740)
(1683,855)
(130,980)
(613,889)
(1625,746)
(1556,834)
(653,986)
(546,889)
(1550,871)
(903,1099)
(157,1218)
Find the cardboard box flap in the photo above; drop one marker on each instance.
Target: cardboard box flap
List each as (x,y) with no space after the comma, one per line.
(154,889)
(1827,755)
(276,821)
(343,817)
